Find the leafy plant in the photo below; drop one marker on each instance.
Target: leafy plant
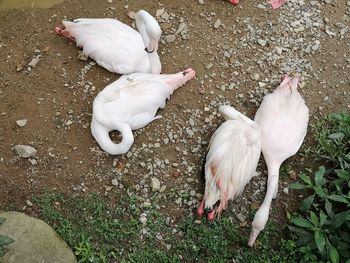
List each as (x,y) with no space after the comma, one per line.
(323,227)
(4,240)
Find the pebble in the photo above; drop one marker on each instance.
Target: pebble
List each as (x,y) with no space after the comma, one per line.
(170,38)
(262,42)
(155,184)
(22,122)
(82,57)
(217,23)
(241,217)
(143,219)
(132,15)
(34,61)
(25,151)
(115,182)
(201,2)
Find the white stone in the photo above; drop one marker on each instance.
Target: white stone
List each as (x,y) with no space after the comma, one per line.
(21,123)
(25,151)
(155,184)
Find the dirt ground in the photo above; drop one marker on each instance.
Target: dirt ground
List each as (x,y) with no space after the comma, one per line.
(231,63)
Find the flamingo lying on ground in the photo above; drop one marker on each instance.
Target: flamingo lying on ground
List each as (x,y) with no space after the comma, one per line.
(131,103)
(233,155)
(116,46)
(283,118)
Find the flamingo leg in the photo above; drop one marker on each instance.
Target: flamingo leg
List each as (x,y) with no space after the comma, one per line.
(211,214)
(200,209)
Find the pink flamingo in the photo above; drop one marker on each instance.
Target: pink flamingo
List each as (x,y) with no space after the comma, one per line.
(233,155)
(283,118)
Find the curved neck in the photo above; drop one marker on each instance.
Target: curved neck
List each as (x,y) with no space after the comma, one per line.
(101,135)
(145,25)
(154,61)
(141,26)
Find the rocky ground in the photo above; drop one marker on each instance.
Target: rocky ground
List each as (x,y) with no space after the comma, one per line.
(239,53)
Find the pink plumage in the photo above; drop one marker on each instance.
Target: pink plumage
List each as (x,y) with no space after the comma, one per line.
(234,151)
(283,118)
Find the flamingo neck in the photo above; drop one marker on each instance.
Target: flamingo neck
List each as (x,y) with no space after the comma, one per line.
(151,44)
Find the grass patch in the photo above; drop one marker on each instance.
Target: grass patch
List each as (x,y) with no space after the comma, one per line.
(98,232)
(322,225)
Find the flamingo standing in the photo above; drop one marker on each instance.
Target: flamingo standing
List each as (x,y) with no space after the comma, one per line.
(283,118)
(233,155)
(116,46)
(131,103)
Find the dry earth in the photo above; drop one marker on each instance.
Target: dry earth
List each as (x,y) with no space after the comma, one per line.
(239,54)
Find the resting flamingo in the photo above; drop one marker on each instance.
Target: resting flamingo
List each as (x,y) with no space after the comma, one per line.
(283,118)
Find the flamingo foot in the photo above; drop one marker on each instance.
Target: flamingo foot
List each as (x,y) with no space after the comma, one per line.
(200,209)
(211,215)
(234,2)
(60,31)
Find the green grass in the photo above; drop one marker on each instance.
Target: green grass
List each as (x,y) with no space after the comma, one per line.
(98,232)
(322,224)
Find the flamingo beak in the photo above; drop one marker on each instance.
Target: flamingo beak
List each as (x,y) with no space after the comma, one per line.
(253,235)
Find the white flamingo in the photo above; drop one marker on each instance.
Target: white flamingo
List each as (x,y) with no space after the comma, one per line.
(283,118)
(131,103)
(116,46)
(233,155)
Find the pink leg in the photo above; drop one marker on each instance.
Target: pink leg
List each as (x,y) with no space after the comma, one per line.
(200,210)
(60,31)
(211,214)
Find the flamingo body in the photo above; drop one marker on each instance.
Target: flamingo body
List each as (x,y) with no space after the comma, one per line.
(233,155)
(131,103)
(116,46)
(283,118)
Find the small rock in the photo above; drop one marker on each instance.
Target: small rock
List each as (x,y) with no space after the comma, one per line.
(33,161)
(19,68)
(109,1)
(160,12)
(143,219)
(201,2)
(115,182)
(170,38)
(25,151)
(82,57)
(241,217)
(162,189)
(29,203)
(217,23)
(155,184)
(132,15)
(262,42)
(285,190)
(21,123)
(34,61)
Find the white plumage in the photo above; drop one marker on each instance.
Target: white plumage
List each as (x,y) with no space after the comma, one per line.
(233,155)
(131,103)
(283,118)
(116,46)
